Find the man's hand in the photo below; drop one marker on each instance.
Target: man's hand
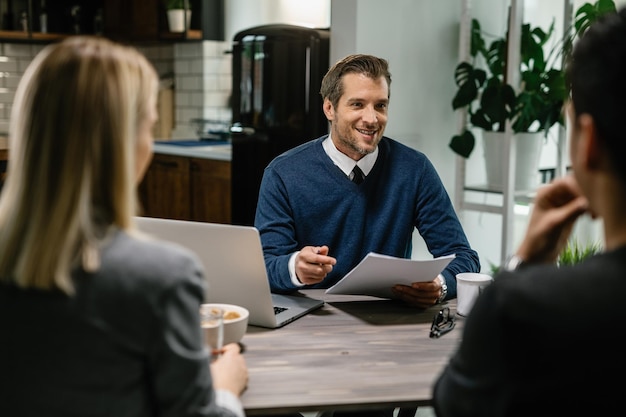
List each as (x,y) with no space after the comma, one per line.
(557,206)
(419,294)
(313,264)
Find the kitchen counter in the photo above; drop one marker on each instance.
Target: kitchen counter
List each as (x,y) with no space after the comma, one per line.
(221,151)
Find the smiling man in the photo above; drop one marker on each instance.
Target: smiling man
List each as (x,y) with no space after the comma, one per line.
(326,203)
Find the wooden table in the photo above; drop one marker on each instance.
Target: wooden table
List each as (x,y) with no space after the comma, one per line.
(355,352)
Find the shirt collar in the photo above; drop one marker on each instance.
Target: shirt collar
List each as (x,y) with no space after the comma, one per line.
(344,162)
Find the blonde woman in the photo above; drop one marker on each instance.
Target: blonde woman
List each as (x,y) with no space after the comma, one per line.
(95,319)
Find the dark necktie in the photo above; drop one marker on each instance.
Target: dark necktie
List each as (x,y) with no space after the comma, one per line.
(358,175)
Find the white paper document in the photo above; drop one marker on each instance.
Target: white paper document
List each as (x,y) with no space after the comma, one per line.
(376,274)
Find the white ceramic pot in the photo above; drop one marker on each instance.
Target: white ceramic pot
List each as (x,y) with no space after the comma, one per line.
(175,19)
(527,154)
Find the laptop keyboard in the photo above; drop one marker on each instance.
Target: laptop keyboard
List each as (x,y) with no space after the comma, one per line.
(279,309)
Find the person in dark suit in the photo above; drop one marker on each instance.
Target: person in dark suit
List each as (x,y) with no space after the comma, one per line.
(543,339)
(97,320)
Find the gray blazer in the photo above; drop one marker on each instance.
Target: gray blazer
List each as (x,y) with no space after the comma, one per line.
(128,343)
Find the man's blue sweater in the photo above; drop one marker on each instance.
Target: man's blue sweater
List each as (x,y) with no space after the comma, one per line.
(305,199)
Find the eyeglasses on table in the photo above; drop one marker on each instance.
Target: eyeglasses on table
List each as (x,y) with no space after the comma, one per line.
(443,322)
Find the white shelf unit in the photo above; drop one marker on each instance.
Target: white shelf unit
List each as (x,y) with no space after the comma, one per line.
(509,196)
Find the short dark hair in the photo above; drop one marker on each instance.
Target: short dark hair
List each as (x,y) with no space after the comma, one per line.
(596,75)
(373,67)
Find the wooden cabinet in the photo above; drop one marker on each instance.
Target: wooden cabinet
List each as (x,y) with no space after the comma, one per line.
(121,20)
(49,20)
(210,195)
(165,189)
(185,188)
(130,20)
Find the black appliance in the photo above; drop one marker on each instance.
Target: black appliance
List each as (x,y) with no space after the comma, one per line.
(276,105)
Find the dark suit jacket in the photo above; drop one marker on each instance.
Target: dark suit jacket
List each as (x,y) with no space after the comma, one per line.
(128,343)
(542,341)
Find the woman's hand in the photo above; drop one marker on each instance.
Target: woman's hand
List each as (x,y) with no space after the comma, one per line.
(230,371)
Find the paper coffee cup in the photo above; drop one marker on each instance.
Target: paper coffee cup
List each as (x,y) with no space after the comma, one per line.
(469,285)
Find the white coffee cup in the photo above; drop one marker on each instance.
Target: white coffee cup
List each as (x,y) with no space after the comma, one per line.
(468,286)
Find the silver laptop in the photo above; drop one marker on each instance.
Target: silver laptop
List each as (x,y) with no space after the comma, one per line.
(234,268)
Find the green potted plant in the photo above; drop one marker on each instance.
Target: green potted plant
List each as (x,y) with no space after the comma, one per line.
(491,101)
(576,252)
(573,253)
(178,15)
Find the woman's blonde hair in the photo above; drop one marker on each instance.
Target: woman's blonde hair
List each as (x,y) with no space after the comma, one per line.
(71,172)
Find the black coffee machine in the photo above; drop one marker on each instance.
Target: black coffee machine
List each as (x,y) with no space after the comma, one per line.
(276,105)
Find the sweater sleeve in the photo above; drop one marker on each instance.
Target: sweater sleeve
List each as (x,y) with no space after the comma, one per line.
(274,220)
(439,226)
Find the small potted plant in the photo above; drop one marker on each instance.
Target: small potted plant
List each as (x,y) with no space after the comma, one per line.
(573,253)
(178,15)
(576,252)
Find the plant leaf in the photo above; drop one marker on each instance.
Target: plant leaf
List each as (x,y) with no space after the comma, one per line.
(588,13)
(463,144)
(605,6)
(479,119)
(497,102)
(469,81)
(574,252)
(496,57)
(477,43)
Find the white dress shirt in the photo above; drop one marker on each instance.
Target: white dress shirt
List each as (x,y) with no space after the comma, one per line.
(346,164)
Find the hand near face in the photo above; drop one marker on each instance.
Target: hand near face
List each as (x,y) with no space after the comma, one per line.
(556,208)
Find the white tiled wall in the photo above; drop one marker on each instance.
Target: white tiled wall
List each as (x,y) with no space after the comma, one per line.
(201,72)
(203,84)
(14,58)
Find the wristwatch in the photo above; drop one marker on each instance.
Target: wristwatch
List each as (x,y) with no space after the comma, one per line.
(513,262)
(444,289)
